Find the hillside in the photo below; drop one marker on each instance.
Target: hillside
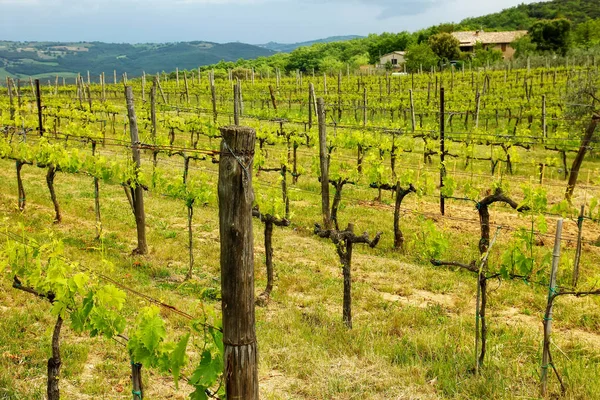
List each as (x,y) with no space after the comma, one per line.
(522,16)
(42,59)
(288,47)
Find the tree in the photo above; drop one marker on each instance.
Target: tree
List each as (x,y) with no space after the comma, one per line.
(551,35)
(483,56)
(523,46)
(420,55)
(587,34)
(445,46)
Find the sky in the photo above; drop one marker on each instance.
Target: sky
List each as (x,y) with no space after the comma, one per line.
(248,21)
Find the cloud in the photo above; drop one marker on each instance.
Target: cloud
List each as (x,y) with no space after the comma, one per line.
(397,8)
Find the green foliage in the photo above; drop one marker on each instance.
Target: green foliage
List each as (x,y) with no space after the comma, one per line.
(482,56)
(551,36)
(587,34)
(524,47)
(445,46)
(420,56)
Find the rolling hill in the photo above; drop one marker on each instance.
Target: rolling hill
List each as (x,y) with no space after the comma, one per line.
(42,59)
(288,47)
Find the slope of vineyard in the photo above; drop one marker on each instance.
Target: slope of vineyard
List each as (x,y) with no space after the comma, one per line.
(414,323)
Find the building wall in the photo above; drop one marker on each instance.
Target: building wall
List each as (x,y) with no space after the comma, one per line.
(383,60)
(507,51)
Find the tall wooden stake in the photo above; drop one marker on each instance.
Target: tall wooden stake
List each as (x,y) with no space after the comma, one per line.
(237,262)
(38,99)
(138,190)
(324,164)
(548,315)
(442,150)
(578,251)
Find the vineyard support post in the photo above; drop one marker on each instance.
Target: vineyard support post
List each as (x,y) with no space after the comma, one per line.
(442,151)
(311,90)
(578,250)
(38,100)
(153,110)
(54,363)
(136,381)
(544,128)
(18,89)
(546,358)
(144,86)
(213,95)
(10,99)
(138,191)
(412,109)
(324,163)
(237,262)
(236,104)
(97,198)
(187,88)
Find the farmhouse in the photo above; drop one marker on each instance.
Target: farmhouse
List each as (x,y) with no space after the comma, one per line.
(396,58)
(494,40)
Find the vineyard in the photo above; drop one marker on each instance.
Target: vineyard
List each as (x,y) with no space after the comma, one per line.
(477,276)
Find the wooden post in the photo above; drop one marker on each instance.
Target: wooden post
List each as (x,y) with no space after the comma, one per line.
(324,163)
(548,315)
(19,102)
(311,89)
(38,100)
(578,251)
(237,262)
(103,88)
(144,86)
(365,110)
(187,89)
(412,110)
(544,130)
(10,99)
(442,150)
(162,94)
(213,95)
(153,110)
(477,106)
(137,190)
(136,380)
(273,100)
(236,103)
(115,76)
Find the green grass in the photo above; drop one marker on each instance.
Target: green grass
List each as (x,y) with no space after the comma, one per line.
(418,347)
(413,332)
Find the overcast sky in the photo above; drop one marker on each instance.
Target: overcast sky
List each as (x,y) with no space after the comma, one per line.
(249,21)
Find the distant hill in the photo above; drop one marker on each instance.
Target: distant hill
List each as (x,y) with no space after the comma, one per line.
(42,59)
(289,47)
(524,15)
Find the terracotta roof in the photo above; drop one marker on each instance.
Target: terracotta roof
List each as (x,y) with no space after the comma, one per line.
(469,38)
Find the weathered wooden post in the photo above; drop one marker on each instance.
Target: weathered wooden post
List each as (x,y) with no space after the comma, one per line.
(10,99)
(546,357)
(137,191)
(442,150)
(38,99)
(578,249)
(237,262)
(136,381)
(412,110)
(324,163)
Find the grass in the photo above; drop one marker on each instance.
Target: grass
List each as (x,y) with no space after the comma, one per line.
(413,333)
